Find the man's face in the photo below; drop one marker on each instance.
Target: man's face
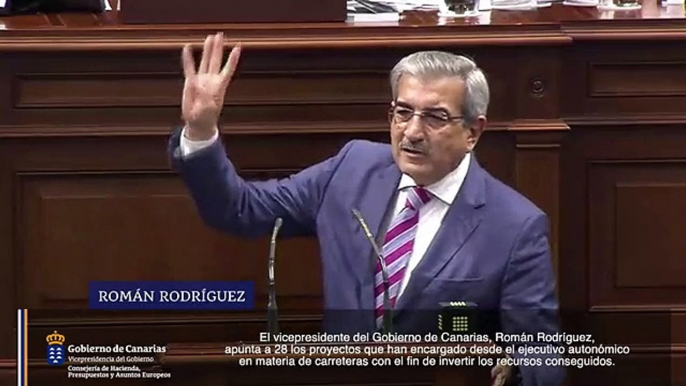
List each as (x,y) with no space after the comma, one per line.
(426,148)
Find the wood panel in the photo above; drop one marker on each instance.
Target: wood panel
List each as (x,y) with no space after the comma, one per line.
(538,176)
(157,89)
(108,226)
(317,87)
(631,199)
(634,235)
(640,251)
(8,372)
(88,90)
(81,208)
(620,81)
(619,253)
(8,267)
(586,119)
(636,79)
(637,209)
(91,215)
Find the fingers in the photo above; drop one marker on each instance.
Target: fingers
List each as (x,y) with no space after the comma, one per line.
(500,375)
(206,54)
(495,370)
(217,53)
(188,61)
(231,63)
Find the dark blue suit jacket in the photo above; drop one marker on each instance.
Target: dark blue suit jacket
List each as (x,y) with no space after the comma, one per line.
(492,248)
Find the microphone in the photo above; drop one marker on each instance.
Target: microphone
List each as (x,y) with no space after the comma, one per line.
(272,311)
(387,311)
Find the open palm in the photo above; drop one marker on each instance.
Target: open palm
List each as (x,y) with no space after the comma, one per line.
(204,90)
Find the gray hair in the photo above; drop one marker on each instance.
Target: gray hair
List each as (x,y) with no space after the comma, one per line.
(426,65)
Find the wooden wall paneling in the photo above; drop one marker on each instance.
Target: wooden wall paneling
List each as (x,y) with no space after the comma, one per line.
(537,82)
(83,139)
(645,78)
(622,82)
(619,245)
(143,90)
(647,334)
(678,346)
(95,88)
(8,295)
(70,191)
(678,363)
(538,177)
(536,94)
(120,168)
(8,372)
(6,91)
(623,151)
(618,169)
(9,300)
(496,153)
(636,233)
(572,263)
(112,226)
(112,177)
(652,82)
(115,89)
(503,85)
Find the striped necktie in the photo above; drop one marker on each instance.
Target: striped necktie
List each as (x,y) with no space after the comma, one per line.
(397,247)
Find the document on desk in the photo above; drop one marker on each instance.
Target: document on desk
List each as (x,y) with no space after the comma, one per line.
(108,7)
(385,10)
(406,5)
(370,11)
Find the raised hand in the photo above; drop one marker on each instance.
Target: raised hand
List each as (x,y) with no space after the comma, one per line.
(204,90)
(500,374)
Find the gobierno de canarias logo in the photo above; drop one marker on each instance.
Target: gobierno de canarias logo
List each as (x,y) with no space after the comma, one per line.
(55,349)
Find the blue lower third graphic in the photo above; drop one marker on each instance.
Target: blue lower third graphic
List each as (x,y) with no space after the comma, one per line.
(171,295)
(55,353)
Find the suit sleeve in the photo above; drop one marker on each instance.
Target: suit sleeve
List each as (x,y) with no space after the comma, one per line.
(228,203)
(529,302)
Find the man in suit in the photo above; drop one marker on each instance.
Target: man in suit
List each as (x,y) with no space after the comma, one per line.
(447,229)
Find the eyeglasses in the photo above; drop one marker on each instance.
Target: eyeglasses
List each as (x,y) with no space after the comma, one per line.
(434,119)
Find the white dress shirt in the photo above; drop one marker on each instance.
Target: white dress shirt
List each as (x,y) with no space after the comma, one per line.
(431,214)
(189,147)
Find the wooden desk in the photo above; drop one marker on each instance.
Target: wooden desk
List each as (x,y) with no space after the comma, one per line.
(586,119)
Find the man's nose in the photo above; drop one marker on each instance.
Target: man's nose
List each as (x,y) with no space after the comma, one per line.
(414,129)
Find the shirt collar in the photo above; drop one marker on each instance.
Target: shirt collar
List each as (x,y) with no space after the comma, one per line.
(446,188)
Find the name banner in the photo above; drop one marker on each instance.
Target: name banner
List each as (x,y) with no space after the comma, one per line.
(171,295)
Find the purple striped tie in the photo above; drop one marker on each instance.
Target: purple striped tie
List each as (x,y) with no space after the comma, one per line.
(397,247)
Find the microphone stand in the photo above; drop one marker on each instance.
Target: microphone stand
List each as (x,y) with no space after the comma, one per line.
(272,310)
(386,325)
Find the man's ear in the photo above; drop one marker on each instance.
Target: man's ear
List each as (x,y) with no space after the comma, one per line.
(475,132)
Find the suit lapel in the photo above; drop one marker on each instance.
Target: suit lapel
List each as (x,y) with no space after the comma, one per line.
(462,218)
(373,205)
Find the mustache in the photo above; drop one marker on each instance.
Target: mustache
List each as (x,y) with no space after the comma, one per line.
(419,147)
